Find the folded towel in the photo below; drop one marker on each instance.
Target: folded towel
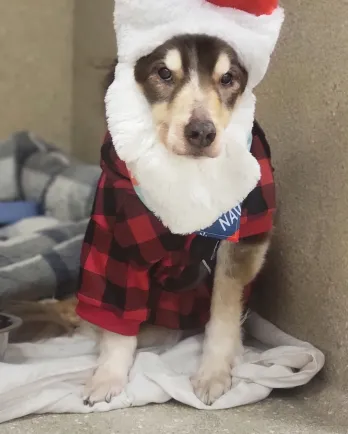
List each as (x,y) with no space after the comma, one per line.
(48,377)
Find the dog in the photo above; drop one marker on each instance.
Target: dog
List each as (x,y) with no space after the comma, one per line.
(192,84)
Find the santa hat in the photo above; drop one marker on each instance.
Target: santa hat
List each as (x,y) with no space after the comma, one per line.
(251,27)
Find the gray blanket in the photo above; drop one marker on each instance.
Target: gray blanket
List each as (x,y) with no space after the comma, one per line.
(39,258)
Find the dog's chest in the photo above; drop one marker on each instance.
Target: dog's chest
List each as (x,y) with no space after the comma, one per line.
(189,267)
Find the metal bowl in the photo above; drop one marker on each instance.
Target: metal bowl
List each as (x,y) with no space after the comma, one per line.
(7,324)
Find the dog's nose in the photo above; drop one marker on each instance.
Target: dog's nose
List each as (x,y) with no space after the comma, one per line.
(200,133)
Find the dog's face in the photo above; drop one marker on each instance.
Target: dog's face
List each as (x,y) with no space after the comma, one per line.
(191,83)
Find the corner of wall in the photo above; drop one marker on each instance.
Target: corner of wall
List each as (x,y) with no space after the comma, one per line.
(36,69)
(94,51)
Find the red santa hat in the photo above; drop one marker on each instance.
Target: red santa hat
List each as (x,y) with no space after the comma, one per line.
(251,27)
(255,7)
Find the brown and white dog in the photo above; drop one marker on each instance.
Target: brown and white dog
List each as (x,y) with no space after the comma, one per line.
(192,84)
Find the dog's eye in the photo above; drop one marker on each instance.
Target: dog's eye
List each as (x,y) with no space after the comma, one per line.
(165,74)
(226,79)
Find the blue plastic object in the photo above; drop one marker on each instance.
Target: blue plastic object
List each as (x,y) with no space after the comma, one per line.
(12,212)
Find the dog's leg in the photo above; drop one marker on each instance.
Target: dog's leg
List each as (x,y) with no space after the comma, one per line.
(237,265)
(114,363)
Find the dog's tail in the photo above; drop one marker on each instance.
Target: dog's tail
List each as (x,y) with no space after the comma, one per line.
(43,320)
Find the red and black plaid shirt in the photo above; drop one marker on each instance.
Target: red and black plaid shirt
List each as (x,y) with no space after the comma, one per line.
(134,270)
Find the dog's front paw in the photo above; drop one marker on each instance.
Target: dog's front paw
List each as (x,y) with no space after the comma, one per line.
(209,383)
(104,385)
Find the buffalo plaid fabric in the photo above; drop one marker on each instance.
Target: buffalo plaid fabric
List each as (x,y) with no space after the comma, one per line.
(134,270)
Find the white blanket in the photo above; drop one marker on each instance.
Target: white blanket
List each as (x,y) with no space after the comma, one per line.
(48,377)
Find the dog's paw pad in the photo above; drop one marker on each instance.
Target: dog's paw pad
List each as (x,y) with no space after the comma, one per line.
(209,386)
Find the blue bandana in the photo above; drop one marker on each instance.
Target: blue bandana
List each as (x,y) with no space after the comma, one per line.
(225,227)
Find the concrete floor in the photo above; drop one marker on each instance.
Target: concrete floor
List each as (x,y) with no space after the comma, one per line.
(312,410)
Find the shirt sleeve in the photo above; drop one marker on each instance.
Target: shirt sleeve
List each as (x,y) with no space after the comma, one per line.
(121,245)
(112,293)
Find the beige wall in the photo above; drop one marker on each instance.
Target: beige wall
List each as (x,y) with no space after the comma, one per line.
(303,105)
(54,57)
(95,42)
(36,52)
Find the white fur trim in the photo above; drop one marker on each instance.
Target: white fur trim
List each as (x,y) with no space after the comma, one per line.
(143,25)
(186,194)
